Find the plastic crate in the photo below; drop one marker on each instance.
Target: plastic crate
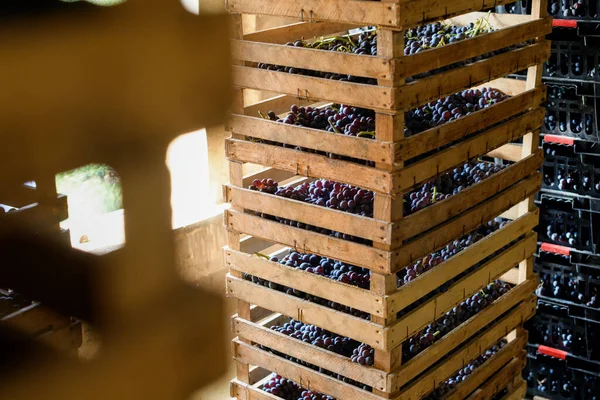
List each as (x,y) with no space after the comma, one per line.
(568,172)
(571,10)
(574,54)
(560,376)
(572,110)
(553,326)
(572,285)
(564,222)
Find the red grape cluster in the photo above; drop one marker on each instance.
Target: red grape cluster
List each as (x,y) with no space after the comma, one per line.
(563,232)
(570,287)
(453,318)
(448,184)
(423,265)
(327,267)
(363,354)
(289,390)
(463,374)
(318,337)
(452,107)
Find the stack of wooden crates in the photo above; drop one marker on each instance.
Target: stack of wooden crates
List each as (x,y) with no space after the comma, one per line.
(397,240)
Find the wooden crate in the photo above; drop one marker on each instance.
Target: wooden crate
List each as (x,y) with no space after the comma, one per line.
(390,240)
(399,14)
(499,370)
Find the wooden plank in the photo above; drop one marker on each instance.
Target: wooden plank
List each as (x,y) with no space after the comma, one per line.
(305,311)
(259,313)
(431,88)
(413,13)
(526,309)
(316,139)
(308,164)
(278,104)
(465,287)
(250,244)
(313,59)
(242,391)
(510,152)
(504,36)
(266,173)
(479,145)
(458,360)
(499,381)
(310,242)
(511,276)
(323,217)
(487,369)
(357,94)
(297,31)
(462,224)
(450,268)
(35,320)
(435,137)
(307,352)
(441,211)
(316,285)
(303,375)
(351,11)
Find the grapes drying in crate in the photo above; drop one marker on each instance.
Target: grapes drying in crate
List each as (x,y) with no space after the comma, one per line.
(289,390)
(418,39)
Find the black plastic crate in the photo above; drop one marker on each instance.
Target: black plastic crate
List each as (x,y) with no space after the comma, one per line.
(574,54)
(573,286)
(553,326)
(572,10)
(567,171)
(552,375)
(564,222)
(572,110)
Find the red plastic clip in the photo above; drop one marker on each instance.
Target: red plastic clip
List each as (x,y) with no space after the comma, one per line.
(549,351)
(555,248)
(559,139)
(564,23)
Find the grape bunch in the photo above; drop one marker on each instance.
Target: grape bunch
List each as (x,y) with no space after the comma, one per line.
(363,355)
(448,184)
(307,296)
(329,268)
(424,37)
(318,337)
(289,390)
(463,374)
(570,287)
(557,336)
(453,318)
(577,8)
(564,233)
(553,381)
(423,265)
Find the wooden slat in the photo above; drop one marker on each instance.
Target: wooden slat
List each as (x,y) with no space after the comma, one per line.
(296,31)
(309,353)
(520,294)
(272,173)
(303,375)
(510,152)
(439,212)
(479,145)
(462,224)
(308,164)
(305,311)
(316,139)
(435,137)
(486,370)
(357,94)
(329,289)
(519,31)
(450,268)
(499,381)
(278,104)
(447,369)
(437,306)
(313,59)
(431,88)
(309,242)
(335,220)
(242,391)
(351,11)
